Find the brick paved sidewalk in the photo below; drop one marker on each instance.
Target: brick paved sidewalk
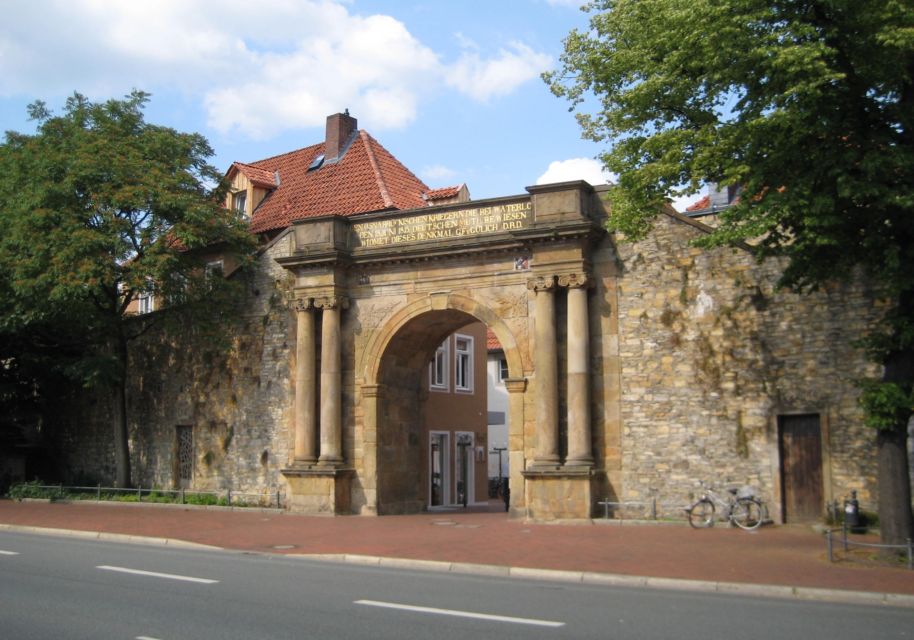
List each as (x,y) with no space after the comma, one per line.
(788,556)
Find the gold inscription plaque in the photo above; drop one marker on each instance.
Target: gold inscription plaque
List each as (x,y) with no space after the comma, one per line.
(446,225)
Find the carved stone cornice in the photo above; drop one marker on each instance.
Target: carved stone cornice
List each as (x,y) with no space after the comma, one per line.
(576,281)
(332,302)
(541,283)
(302,304)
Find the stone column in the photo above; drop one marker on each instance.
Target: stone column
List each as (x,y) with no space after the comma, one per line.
(371,397)
(331,382)
(580,452)
(546,451)
(305,383)
(516,388)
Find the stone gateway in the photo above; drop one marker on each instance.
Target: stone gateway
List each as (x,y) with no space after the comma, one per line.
(634,369)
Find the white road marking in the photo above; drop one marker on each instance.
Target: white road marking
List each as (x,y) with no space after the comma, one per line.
(461,614)
(9,553)
(153,574)
(145,638)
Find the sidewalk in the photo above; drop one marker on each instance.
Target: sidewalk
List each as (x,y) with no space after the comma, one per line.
(721,559)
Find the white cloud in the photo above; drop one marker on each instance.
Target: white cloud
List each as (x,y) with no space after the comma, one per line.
(484,79)
(437,172)
(576,169)
(258,68)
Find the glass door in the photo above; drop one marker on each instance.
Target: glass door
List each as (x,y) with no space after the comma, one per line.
(465,468)
(438,448)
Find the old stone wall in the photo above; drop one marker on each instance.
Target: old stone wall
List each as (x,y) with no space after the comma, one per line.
(711,354)
(234,397)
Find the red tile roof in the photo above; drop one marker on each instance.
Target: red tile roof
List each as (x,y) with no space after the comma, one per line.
(260,177)
(443,193)
(492,343)
(367,178)
(698,205)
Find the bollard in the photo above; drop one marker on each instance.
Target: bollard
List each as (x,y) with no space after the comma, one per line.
(139,494)
(228,497)
(277,499)
(98,492)
(910,554)
(828,544)
(653,508)
(182,495)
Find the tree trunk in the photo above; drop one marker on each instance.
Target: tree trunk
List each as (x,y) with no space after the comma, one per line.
(896,523)
(121,442)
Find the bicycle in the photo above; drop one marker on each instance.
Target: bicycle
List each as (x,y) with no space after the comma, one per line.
(501,489)
(740,507)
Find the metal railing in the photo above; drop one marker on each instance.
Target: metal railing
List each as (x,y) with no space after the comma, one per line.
(228,498)
(649,508)
(847,543)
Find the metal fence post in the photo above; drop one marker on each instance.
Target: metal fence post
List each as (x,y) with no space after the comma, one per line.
(98,492)
(654,508)
(182,495)
(828,544)
(910,554)
(844,532)
(228,497)
(139,493)
(277,499)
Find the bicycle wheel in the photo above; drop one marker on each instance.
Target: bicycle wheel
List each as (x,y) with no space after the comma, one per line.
(747,513)
(701,514)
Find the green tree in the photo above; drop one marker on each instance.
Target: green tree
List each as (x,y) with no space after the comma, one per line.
(98,208)
(808,107)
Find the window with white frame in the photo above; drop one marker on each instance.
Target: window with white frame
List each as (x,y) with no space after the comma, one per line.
(463,363)
(145,303)
(239,201)
(437,368)
(502,369)
(214,268)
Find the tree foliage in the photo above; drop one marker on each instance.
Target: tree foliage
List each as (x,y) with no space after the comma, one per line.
(99,207)
(807,106)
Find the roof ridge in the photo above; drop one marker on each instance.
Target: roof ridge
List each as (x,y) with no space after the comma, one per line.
(287,153)
(376,169)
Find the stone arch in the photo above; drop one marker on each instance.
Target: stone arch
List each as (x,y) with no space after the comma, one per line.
(369,364)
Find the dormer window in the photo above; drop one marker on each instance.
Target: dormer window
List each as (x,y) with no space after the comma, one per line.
(316,163)
(239,201)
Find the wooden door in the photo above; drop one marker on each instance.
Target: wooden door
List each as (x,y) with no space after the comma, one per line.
(800,444)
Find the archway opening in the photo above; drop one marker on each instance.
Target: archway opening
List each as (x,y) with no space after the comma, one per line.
(432,416)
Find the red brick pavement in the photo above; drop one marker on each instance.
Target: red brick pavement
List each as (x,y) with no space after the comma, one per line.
(774,555)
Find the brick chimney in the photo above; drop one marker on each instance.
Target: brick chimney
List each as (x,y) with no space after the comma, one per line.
(340,127)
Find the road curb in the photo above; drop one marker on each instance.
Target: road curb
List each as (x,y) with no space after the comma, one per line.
(524,573)
(620,580)
(107,537)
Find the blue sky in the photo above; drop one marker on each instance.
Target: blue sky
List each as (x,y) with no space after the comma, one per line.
(450,87)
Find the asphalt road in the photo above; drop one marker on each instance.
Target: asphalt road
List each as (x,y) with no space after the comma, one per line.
(68,588)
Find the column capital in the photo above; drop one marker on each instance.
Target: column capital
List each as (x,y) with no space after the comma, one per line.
(332,302)
(541,283)
(302,304)
(515,385)
(581,280)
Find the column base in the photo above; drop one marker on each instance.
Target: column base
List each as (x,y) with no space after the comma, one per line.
(559,494)
(318,490)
